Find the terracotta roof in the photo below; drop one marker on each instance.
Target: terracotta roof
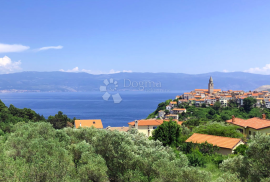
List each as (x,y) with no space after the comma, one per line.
(173,102)
(201,89)
(217,90)
(179,109)
(169,120)
(255,123)
(124,128)
(223,142)
(179,122)
(153,122)
(97,123)
(186,93)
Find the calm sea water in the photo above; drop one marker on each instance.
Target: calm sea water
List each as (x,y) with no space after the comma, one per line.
(135,105)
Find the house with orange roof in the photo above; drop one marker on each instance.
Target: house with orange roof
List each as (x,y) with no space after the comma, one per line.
(97,123)
(267,96)
(223,101)
(182,101)
(199,102)
(226,144)
(147,126)
(252,125)
(161,114)
(168,107)
(192,101)
(172,116)
(173,104)
(186,95)
(178,110)
(197,96)
(123,128)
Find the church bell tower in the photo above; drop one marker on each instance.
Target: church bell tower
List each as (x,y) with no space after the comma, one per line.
(210,85)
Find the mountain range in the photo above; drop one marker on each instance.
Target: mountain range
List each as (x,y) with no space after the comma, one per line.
(83,82)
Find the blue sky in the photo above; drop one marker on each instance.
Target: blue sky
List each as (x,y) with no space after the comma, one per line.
(98,36)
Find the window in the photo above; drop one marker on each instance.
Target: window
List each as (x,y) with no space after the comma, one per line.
(241,130)
(249,132)
(94,122)
(154,127)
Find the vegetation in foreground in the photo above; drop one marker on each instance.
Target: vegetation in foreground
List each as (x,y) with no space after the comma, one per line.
(38,150)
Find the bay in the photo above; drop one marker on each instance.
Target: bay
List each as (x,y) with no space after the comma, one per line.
(90,105)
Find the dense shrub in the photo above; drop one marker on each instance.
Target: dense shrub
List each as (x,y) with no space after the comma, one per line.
(196,158)
(218,129)
(241,149)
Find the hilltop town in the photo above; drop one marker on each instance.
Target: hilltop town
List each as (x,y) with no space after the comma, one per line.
(208,97)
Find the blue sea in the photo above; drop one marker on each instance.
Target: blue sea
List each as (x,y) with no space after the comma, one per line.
(90,105)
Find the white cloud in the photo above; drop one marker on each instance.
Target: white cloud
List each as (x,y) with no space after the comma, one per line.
(112,71)
(76,69)
(12,48)
(7,66)
(225,71)
(50,47)
(264,70)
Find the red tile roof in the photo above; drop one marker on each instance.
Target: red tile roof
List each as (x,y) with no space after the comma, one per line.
(179,109)
(255,123)
(223,142)
(88,123)
(201,89)
(118,128)
(153,122)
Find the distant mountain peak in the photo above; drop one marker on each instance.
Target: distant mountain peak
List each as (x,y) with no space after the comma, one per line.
(263,88)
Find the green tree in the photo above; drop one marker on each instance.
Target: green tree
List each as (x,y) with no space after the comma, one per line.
(59,121)
(217,105)
(241,149)
(168,133)
(249,103)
